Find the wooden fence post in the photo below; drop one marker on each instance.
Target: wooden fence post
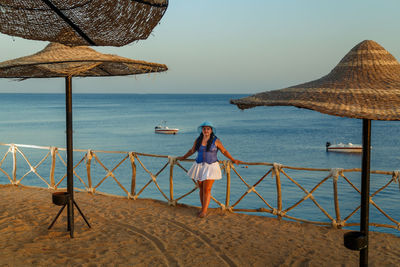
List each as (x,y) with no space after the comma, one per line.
(89,156)
(53,153)
(133,183)
(277,171)
(335,176)
(14,171)
(171,180)
(228,183)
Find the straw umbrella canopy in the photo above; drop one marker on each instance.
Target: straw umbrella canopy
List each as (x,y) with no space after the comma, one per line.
(364,85)
(58,60)
(81,22)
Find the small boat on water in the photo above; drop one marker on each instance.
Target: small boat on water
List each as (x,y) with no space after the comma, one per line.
(164,129)
(341,147)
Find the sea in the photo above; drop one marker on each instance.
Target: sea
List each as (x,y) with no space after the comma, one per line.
(286,135)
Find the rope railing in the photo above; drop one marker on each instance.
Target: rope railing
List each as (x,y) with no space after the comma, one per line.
(280,174)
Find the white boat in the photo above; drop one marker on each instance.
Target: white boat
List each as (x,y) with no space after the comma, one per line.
(164,129)
(341,147)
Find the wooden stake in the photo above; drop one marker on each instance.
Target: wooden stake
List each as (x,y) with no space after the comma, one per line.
(53,151)
(14,171)
(133,183)
(336,198)
(171,182)
(228,183)
(278,189)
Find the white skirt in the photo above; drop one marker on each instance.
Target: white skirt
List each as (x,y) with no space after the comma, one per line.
(204,171)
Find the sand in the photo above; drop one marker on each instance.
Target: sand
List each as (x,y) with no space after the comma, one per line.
(151,233)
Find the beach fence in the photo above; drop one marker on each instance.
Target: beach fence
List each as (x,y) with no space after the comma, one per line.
(329,197)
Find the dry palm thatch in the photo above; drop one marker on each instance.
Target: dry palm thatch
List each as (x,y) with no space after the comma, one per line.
(365,85)
(81,22)
(58,60)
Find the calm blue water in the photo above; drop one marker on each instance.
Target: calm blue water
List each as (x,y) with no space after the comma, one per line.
(286,135)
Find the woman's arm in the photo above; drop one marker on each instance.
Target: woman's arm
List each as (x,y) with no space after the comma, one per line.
(225,152)
(189,153)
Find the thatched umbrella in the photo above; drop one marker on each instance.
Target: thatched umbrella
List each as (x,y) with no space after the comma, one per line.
(81,22)
(58,60)
(364,85)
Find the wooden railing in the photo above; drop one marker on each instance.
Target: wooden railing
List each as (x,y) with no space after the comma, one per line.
(281,174)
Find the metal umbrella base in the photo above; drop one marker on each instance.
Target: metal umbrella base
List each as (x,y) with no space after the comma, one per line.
(63,199)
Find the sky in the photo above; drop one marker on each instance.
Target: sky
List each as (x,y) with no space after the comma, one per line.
(233,47)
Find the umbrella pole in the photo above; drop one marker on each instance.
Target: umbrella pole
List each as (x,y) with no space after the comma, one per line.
(70,178)
(365,184)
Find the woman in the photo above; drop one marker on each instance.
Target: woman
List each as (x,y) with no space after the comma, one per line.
(206,168)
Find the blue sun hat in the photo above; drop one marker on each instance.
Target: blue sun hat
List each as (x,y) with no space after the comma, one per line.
(206,123)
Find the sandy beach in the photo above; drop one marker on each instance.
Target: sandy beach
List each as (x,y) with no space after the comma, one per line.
(151,233)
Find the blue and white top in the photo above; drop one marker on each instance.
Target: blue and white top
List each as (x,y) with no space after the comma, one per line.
(207,156)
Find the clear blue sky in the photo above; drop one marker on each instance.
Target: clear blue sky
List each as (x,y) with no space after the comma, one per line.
(221,46)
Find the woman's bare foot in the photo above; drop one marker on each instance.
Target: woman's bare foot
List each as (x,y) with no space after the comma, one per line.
(202,214)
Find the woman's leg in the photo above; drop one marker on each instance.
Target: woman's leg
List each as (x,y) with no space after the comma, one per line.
(200,183)
(207,185)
